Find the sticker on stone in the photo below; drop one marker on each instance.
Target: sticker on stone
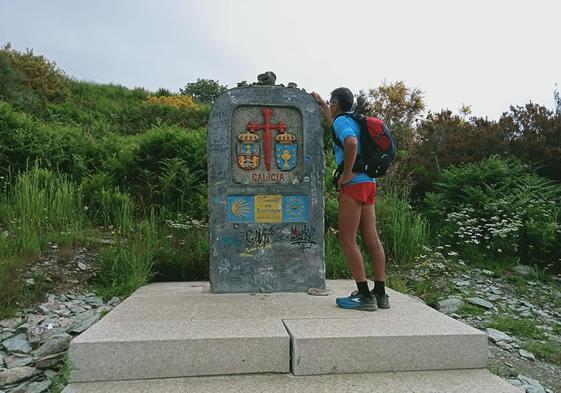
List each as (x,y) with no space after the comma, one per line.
(295,208)
(240,209)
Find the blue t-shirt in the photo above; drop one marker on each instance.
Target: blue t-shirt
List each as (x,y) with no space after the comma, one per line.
(344,127)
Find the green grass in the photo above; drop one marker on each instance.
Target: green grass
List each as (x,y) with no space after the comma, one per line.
(37,207)
(61,379)
(521,327)
(427,289)
(395,282)
(335,265)
(470,309)
(519,282)
(183,254)
(41,202)
(549,351)
(495,370)
(128,264)
(402,230)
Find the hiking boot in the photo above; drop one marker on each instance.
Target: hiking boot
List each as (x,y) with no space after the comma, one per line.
(383,301)
(357,302)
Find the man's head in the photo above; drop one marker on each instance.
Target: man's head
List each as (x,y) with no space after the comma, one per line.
(342,100)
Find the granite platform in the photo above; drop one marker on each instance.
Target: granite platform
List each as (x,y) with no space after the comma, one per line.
(175,337)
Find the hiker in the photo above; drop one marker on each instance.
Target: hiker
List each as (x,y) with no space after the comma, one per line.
(357,196)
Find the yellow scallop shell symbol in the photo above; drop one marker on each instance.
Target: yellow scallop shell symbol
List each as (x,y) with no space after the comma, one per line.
(240,208)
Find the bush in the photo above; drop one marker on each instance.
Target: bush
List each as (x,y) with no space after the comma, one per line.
(498,208)
(169,170)
(24,140)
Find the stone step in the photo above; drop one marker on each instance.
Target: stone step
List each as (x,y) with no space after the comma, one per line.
(120,350)
(168,330)
(410,336)
(447,381)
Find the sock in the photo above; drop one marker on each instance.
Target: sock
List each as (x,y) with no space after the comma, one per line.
(363,288)
(379,287)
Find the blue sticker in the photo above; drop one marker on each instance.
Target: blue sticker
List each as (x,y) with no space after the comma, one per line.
(295,208)
(240,209)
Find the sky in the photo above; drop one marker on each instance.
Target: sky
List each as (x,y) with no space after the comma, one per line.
(489,54)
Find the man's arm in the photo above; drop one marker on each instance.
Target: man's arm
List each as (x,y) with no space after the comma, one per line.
(324,108)
(350,147)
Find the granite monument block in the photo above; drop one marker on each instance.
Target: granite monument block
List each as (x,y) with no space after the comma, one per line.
(265,181)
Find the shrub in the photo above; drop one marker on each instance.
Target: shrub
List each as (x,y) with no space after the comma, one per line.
(185,102)
(497,208)
(37,72)
(24,140)
(534,136)
(169,170)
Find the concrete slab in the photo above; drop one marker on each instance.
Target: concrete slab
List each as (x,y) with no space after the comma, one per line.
(112,350)
(194,301)
(165,288)
(409,336)
(336,287)
(182,329)
(455,381)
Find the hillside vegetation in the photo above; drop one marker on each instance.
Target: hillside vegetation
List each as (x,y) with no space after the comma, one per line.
(123,171)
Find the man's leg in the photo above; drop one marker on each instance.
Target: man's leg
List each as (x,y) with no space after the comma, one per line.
(372,242)
(349,219)
(376,251)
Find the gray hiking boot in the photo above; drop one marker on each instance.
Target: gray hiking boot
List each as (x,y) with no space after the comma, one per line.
(383,301)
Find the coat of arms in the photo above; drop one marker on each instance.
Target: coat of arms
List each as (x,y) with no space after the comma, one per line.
(286,151)
(248,151)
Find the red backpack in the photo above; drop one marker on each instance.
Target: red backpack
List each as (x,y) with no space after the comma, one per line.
(377,146)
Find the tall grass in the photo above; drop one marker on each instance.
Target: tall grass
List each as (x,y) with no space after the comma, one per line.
(403,230)
(335,266)
(184,251)
(40,202)
(128,264)
(36,206)
(116,210)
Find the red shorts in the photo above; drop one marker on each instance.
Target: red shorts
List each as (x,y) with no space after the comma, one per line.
(362,192)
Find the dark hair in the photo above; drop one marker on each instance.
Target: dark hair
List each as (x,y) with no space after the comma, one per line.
(344,98)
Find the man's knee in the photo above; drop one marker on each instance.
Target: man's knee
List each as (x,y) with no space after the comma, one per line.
(371,239)
(346,240)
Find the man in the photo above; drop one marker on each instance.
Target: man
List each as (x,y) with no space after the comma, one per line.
(356,206)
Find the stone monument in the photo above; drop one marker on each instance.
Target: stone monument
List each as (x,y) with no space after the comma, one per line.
(265,182)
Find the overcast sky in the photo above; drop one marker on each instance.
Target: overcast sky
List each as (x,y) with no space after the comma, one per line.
(485,53)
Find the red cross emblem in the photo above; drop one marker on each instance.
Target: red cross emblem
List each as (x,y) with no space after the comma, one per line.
(267,137)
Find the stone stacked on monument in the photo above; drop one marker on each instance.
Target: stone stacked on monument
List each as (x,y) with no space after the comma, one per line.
(265,181)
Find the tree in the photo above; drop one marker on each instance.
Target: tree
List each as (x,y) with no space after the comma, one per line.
(397,104)
(204,90)
(557,99)
(38,73)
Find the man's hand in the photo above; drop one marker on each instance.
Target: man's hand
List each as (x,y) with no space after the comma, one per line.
(318,99)
(324,107)
(344,179)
